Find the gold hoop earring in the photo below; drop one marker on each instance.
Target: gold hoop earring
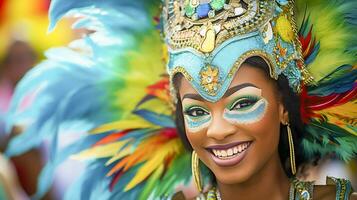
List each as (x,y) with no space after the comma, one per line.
(291,149)
(196,173)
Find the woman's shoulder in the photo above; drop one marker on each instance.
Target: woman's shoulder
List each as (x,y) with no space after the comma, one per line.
(335,188)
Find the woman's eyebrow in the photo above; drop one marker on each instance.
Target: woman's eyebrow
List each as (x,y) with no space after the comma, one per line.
(234,89)
(193,96)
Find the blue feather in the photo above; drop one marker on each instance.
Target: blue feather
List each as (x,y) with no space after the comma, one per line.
(157,119)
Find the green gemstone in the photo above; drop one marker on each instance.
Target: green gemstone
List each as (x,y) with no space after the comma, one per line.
(189,10)
(217,4)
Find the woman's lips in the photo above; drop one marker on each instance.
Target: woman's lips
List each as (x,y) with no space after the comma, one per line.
(231,155)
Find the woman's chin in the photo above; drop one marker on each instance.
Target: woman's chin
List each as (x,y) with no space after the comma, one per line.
(232,176)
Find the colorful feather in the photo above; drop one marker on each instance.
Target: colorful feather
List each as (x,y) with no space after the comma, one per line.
(329,107)
(110,86)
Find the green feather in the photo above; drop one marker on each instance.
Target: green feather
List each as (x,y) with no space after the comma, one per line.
(179,172)
(333,140)
(150,184)
(334,26)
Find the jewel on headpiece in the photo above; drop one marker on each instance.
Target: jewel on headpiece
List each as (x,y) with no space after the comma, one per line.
(210,79)
(228,32)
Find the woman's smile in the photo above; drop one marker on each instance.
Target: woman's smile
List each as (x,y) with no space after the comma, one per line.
(229,154)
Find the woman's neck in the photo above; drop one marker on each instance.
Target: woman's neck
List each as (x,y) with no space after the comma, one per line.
(270,182)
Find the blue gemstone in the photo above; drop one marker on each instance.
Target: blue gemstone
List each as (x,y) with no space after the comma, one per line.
(202,10)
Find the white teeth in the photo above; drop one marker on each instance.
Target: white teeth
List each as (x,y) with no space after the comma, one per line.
(215,152)
(231,151)
(224,153)
(235,150)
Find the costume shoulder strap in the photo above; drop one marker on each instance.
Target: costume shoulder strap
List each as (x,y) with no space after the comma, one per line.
(343,187)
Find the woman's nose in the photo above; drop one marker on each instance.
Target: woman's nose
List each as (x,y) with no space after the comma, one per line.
(220,128)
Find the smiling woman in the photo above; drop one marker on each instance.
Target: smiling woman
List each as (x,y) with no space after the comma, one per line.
(248,107)
(243,137)
(238,137)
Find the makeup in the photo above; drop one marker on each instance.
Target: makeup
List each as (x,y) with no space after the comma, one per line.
(196,118)
(247,106)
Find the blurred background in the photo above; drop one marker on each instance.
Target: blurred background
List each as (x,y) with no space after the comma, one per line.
(23,41)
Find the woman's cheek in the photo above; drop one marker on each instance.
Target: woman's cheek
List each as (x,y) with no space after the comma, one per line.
(197,124)
(250,116)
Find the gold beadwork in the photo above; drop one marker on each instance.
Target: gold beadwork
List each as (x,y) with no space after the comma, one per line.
(306,76)
(205,35)
(173,92)
(252,53)
(182,32)
(301,190)
(209,76)
(181,70)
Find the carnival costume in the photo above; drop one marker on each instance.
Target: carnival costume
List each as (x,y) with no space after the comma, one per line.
(114,84)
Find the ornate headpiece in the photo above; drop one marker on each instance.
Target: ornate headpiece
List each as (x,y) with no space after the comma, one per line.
(208,40)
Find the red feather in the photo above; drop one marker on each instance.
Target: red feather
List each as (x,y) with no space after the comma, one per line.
(307,44)
(160,89)
(115,179)
(43,7)
(309,104)
(2,10)
(169,133)
(111,138)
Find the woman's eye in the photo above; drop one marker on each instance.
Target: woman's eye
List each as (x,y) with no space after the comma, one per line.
(196,112)
(243,104)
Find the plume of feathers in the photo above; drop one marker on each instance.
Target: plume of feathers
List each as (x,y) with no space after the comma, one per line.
(110,89)
(329,107)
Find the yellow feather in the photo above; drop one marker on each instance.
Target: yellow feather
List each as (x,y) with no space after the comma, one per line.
(102,151)
(135,123)
(145,67)
(348,116)
(132,159)
(153,163)
(124,152)
(330,30)
(157,106)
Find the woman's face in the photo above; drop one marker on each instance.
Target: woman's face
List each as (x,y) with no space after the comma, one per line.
(238,135)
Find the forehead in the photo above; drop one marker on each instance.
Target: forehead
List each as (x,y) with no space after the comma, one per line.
(246,74)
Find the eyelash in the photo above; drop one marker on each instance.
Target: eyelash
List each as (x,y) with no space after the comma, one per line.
(241,104)
(193,112)
(244,103)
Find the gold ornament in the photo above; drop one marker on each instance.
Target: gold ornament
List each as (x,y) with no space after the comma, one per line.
(196,173)
(284,28)
(292,151)
(210,79)
(209,40)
